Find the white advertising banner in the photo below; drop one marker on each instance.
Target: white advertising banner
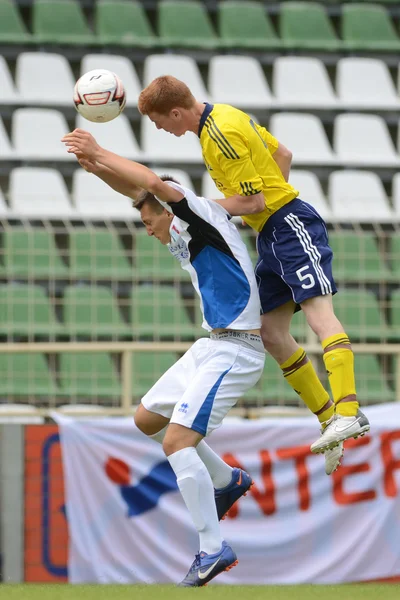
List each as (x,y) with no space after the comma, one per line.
(128,523)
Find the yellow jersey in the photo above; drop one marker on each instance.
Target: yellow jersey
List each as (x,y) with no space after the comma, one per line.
(238,154)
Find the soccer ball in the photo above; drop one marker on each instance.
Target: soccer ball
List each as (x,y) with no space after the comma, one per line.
(99,96)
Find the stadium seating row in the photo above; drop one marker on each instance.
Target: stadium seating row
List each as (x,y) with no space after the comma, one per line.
(97,254)
(303,82)
(92,253)
(36,135)
(94,375)
(155,312)
(36,192)
(186,24)
(158,312)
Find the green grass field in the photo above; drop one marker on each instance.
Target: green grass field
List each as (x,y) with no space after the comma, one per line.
(169,592)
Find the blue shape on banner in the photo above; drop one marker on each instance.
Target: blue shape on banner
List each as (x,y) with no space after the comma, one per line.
(146,494)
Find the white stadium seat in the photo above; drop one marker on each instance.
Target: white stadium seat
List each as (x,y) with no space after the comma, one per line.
(181,176)
(365,83)
(310,190)
(398,136)
(304,82)
(209,189)
(160,146)
(6,150)
(305,136)
(224,74)
(363,140)
(45,79)
(182,67)
(396,195)
(358,196)
(37,192)
(121,66)
(398,78)
(94,199)
(116,136)
(37,133)
(8,93)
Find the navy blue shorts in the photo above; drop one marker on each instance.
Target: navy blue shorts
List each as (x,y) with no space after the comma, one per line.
(294,257)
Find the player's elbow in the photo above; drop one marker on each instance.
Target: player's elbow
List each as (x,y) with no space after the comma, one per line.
(284,154)
(154,184)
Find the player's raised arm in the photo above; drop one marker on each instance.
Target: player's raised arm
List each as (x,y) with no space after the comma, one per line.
(283,158)
(108,176)
(132,175)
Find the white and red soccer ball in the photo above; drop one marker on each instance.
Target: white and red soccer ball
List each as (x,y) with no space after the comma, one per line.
(99,96)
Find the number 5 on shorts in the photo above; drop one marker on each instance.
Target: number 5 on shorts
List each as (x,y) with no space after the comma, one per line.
(305,277)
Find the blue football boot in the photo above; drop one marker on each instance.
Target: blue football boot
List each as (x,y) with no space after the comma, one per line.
(207,566)
(227,496)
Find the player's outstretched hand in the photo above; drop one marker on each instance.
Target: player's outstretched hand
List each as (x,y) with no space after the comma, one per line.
(83,142)
(89,165)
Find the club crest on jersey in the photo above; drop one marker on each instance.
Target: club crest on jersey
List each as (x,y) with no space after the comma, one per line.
(179,250)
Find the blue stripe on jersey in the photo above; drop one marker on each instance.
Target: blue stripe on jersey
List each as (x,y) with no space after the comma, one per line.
(223,285)
(200,423)
(204,116)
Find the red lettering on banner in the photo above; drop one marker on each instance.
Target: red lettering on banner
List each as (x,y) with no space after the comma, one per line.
(299,454)
(389,462)
(339,476)
(266,499)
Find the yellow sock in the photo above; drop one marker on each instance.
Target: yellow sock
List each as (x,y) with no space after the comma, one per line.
(300,374)
(339,363)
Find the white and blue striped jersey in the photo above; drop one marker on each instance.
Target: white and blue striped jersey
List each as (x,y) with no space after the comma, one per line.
(209,247)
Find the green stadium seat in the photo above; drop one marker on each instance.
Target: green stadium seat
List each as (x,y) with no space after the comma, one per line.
(23,375)
(147,368)
(123,23)
(306,25)
(185,24)
(250,241)
(371,383)
(88,375)
(299,327)
(158,312)
(368,27)
(92,311)
(356,257)
(360,315)
(60,22)
(246,25)
(394,304)
(12,28)
(272,387)
(154,261)
(26,311)
(395,255)
(98,254)
(32,253)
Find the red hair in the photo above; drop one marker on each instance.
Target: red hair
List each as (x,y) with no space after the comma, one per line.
(163,94)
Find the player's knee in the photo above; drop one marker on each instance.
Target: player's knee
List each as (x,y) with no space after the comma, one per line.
(144,425)
(271,338)
(171,445)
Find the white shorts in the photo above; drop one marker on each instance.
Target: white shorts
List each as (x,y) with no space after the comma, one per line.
(202,386)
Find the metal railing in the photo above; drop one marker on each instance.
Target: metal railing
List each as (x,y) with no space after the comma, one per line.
(125,349)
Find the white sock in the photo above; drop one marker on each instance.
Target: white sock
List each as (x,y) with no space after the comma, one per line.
(197,491)
(220,472)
